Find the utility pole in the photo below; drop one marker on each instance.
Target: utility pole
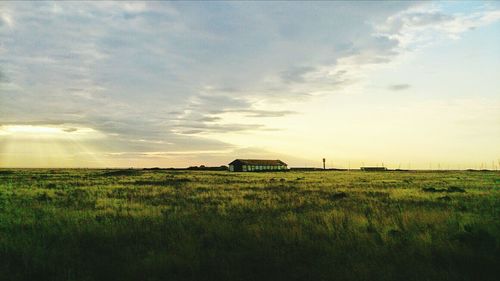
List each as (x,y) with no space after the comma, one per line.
(324,164)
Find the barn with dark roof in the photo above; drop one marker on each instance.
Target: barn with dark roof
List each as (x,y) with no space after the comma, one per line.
(255,165)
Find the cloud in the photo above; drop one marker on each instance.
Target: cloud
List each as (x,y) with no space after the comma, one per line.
(423,24)
(171,73)
(296,74)
(6,18)
(70,130)
(414,19)
(213,102)
(198,128)
(205,112)
(399,87)
(267,113)
(3,77)
(209,119)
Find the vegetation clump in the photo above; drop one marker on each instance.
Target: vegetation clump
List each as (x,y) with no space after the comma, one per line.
(127,172)
(450,189)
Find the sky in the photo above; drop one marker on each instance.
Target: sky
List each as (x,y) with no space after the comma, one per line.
(174,84)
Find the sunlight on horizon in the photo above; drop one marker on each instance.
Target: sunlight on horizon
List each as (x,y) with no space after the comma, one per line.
(48,146)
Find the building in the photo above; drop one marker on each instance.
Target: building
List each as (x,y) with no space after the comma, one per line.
(373,169)
(255,165)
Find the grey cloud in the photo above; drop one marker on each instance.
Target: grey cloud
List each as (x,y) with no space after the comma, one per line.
(296,74)
(75,89)
(209,119)
(176,142)
(428,18)
(258,113)
(31,122)
(3,77)
(396,23)
(201,116)
(341,72)
(70,130)
(196,128)
(191,131)
(193,124)
(166,69)
(399,87)
(267,113)
(407,22)
(208,102)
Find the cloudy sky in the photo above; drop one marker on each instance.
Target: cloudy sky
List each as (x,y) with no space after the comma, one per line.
(143,84)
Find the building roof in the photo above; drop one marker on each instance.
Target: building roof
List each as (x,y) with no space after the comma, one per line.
(262,162)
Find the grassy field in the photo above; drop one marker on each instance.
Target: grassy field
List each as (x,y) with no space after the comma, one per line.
(193,225)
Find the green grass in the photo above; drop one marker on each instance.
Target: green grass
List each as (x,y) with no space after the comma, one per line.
(194,225)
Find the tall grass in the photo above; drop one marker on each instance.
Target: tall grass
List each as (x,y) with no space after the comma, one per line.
(180,225)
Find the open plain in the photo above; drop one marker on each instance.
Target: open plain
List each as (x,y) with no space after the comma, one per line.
(88,224)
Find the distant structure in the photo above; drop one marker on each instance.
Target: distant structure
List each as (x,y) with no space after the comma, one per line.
(205,168)
(324,164)
(373,169)
(255,165)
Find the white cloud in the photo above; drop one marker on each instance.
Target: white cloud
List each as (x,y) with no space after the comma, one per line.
(423,24)
(6,18)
